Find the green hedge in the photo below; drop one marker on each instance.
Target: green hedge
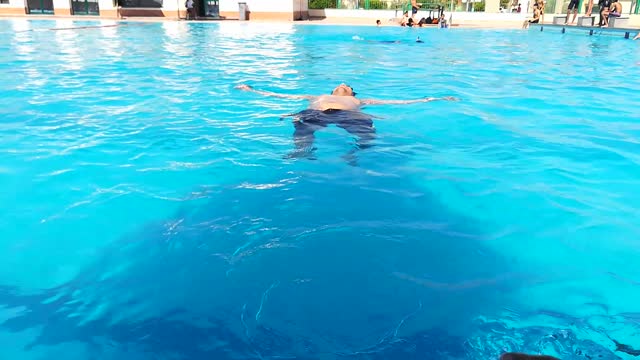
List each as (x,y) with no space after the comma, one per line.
(323,4)
(373,4)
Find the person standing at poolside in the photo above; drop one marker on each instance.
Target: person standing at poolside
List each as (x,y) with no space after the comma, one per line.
(340,108)
(573,6)
(589,8)
(190,13)
(414,9)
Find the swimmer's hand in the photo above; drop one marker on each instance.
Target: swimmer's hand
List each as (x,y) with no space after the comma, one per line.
(244,87)
(446,98)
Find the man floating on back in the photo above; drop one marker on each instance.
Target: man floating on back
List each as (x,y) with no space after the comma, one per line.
(340,108)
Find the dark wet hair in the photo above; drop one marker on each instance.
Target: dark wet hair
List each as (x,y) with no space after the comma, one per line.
(353,92)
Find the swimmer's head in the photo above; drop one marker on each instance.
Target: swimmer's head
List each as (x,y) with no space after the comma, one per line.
(343,90)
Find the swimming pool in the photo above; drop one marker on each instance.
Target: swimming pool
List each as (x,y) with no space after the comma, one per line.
(150,210)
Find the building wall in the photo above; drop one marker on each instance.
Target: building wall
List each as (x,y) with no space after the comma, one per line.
(258,9)
(15,7)
(62,7)
(106,9)
(266,10)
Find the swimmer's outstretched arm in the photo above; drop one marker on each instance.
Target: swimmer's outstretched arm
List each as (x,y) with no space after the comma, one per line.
(396,102)
(246,87)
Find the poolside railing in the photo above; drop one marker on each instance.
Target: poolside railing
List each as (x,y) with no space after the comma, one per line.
(449,5)
(551,6)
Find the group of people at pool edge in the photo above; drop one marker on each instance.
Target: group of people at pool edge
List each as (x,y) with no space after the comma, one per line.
(410,21)
(440,20)
(608,8)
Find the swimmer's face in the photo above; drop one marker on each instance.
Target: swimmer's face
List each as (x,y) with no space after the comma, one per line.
(343,90)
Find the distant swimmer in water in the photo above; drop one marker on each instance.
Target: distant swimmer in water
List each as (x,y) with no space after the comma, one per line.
(625,348)
(340,108)
(520,356)
(418,40)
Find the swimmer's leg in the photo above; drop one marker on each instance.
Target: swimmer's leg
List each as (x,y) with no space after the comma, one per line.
(365,134)
(362,129)
(303,138)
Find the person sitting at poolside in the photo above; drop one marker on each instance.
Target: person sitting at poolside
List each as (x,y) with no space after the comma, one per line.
(604,7)
(541,4)
(536,17)
(443,21)
(340,108)
(615,10)
(405,19)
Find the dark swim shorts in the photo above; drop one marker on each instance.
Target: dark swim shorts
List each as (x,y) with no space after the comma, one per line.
(307,122)
(414,10)
(573,5)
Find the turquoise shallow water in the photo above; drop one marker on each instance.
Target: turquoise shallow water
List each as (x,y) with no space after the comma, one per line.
(150,211)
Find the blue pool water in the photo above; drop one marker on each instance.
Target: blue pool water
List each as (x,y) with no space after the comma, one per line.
(150,210)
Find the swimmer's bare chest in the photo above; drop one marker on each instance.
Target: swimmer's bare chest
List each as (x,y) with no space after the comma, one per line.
(333,102)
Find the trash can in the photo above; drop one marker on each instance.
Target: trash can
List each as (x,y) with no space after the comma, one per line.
(243,10)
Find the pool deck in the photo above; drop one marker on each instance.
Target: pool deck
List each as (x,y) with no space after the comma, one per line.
(587,30)
(313,21)
(346,21)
